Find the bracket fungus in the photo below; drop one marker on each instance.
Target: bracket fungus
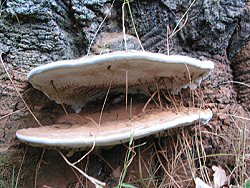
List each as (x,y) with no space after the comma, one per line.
(81,82)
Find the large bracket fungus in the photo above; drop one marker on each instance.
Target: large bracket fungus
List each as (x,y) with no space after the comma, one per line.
(94,78)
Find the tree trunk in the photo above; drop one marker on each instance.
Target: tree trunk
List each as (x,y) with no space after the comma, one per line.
(36,32)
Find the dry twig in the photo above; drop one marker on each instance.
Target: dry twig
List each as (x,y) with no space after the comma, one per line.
(96,182)
(19,94)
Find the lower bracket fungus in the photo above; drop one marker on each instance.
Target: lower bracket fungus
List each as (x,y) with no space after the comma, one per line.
(99,89)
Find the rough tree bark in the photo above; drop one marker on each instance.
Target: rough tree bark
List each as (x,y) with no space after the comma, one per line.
(36,32)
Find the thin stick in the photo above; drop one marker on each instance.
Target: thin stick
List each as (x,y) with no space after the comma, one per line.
(78,161)
(105,162)
(190,81)
(174,31)
(91,179)
(180,27)
(149,171)
(86,169)
(19,171)
(154,100)
(92,41)
(7,115)
(188,151)
(235,116)
(79,179)
(105,100)
(159,94)
(88,118)
(173,101)
(126,91)
(123,27)
(52,83)
(19,94)
(165,170)
(181,102)
(152,96)
(234,82)
(130,154)
(38,166)
(168,50)
(166,97)
(132,19)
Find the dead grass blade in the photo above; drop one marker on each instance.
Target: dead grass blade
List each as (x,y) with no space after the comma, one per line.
(165,170)
(19,94)
(177,25)
(233,82)
(78,161)
(149,100)
(123,27)
(190,87)
(159,94)
(126,91)
(5,116)
(103,106)
(96,182)
(133,23)
(38,167)
(19,171)
(59,97)
(98,29)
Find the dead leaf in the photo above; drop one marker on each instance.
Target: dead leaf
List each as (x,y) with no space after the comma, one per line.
(220,177)
(201,184)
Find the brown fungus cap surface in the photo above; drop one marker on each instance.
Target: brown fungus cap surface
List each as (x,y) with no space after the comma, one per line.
(85,133)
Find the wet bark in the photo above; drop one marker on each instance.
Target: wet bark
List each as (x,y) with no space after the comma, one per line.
(36,32)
